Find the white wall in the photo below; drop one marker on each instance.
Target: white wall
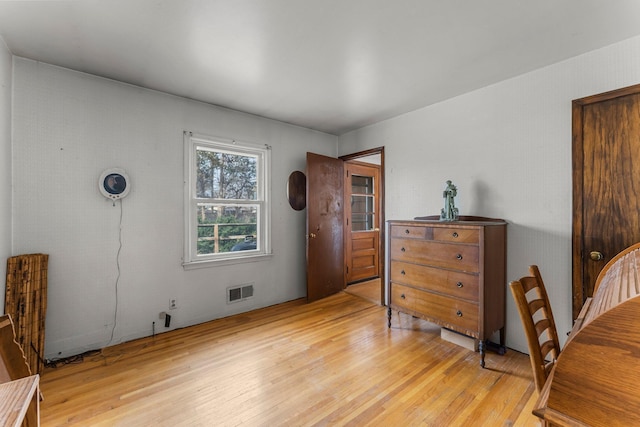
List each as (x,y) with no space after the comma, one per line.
(507,147)
(5,165)
(68,128)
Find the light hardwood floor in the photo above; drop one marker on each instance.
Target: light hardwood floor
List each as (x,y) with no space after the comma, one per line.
(331,362)
(369,290)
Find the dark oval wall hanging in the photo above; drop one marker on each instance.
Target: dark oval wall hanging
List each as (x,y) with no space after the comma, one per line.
(297,190)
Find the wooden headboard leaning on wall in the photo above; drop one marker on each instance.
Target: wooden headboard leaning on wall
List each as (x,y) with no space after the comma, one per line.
(26,302)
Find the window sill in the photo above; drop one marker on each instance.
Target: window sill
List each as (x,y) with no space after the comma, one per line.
(193,265)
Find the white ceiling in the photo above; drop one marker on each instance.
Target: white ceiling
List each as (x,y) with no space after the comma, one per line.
(330,65)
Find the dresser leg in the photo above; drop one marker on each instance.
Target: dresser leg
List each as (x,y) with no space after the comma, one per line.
(481,349)
(389,317)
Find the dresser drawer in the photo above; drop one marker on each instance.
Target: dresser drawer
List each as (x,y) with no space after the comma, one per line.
(408,231)
(456,257)
(456,235)
(444,234)
(453,283)
(457,314)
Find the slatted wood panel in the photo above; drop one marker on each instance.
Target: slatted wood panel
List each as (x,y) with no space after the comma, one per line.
(329,363)
(26,302)
(618,281)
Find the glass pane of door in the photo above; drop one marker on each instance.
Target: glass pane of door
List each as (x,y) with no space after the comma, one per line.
(361,184)
(362,203)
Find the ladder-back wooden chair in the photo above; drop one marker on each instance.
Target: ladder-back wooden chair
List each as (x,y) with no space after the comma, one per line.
(535,312)
(13,365)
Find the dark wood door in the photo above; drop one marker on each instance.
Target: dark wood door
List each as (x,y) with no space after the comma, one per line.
(606,183)
(362,220)
(325,227)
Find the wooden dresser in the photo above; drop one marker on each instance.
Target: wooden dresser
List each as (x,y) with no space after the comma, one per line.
(452,273)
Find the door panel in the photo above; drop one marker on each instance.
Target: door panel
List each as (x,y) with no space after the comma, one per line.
(606,183)
(325,216)
(362,219)
(363,262)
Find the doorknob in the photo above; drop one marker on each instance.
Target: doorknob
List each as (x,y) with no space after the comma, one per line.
(596,256)
(312,235)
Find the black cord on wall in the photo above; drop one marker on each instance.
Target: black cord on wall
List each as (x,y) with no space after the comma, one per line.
(115,311)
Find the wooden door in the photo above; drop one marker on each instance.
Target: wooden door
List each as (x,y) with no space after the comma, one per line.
(362,221)
(606,183)
(325,216)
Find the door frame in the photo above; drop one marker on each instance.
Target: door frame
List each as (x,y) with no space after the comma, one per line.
(381,217)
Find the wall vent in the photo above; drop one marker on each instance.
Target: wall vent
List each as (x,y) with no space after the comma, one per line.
(239,293)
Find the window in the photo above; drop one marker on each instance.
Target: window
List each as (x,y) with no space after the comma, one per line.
(227,212)
(362,203)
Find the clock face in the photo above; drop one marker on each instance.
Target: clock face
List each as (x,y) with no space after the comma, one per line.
(115,183)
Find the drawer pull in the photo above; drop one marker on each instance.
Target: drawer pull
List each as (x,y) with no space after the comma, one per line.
(459,313)
(402,296)
(406,231)
(455,234)
(402,272)
(459,256)
(459,284)
(403,249)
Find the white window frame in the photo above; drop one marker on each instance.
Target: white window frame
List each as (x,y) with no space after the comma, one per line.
(263,153)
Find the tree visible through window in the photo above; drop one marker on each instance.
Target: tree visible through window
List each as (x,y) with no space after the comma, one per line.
(228,203)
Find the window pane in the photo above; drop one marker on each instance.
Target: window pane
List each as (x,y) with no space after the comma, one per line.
(362,204)
(362,213)
(362,222)
(361,184)
(223,175)
(226,228)
(228,191)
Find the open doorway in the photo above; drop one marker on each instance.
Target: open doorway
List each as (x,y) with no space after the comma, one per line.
(327,217)
(364,224)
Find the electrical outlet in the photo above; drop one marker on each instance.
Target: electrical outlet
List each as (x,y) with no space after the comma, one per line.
(173,304)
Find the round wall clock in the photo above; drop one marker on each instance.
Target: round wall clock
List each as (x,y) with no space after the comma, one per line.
(114,184)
